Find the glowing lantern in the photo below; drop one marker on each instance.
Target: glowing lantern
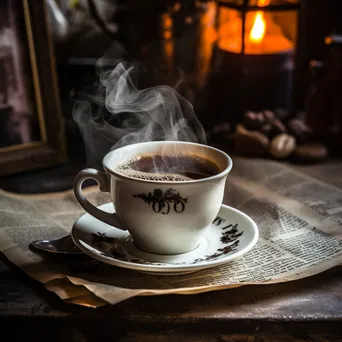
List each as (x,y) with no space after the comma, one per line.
(257,47)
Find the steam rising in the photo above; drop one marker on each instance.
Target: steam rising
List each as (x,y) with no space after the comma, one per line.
(127,106)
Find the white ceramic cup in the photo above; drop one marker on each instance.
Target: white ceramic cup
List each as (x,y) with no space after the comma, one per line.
(162,217)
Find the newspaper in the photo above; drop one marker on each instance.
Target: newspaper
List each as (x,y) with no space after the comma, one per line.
(298,211)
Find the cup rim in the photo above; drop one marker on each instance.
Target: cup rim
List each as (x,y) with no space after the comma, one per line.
(223,173)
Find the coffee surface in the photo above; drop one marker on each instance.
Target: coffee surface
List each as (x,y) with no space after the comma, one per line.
(167,167)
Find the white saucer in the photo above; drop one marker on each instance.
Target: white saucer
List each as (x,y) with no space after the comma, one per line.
(231,235)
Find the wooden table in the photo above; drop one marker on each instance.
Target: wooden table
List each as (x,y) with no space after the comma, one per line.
(304,310)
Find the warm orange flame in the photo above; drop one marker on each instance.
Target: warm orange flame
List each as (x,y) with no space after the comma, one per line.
(259,27)
(263,3)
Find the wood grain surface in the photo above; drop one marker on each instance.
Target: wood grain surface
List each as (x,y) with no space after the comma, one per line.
(306,310)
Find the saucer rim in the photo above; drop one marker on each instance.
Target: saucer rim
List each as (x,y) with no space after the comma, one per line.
(169,268)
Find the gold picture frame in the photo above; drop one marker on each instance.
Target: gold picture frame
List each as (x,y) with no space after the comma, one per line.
(31,123)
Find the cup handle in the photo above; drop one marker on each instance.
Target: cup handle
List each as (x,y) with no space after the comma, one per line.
(102,180)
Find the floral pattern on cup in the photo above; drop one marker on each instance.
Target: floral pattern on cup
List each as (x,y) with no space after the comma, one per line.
(164,201)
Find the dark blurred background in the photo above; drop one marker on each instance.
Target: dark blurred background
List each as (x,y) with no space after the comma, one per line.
(186,34)
(176,33)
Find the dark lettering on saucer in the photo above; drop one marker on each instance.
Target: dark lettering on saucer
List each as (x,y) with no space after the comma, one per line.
(218,220)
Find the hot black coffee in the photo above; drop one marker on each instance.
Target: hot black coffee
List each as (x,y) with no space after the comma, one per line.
(168,167)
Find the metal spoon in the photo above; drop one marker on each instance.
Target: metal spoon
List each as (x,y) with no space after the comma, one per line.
(64,245)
